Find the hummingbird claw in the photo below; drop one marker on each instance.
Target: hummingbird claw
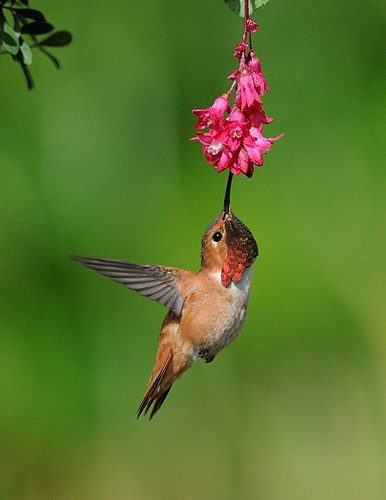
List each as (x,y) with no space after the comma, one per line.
(204,354)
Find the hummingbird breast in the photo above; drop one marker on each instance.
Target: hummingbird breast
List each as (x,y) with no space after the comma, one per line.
(213,317)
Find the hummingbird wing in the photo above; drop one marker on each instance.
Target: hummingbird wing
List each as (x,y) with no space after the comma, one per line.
(156,282)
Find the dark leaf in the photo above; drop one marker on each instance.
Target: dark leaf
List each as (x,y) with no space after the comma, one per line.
(58,39)
(238,5)
(17,23)
(37,28)
(6,38)
(34,14)
(52,58)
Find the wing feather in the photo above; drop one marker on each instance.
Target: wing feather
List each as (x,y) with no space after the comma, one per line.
(155,282)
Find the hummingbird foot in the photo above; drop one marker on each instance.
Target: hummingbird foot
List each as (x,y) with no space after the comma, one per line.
(204,354)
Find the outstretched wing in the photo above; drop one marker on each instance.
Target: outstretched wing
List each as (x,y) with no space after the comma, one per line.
(156,282)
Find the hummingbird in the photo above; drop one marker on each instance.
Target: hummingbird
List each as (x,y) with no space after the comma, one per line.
(206,309)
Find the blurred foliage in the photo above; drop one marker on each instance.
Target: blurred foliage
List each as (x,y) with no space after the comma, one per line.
(97,161)
(19,30)
(238,6)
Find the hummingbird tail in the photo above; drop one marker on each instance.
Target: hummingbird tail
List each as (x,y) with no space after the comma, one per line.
(158,388)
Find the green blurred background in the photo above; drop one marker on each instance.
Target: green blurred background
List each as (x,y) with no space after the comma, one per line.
(96,161)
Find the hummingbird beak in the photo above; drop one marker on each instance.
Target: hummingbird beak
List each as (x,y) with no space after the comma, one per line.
(227,197)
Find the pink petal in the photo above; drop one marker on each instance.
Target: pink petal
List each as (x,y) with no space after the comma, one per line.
(205,139)
(258,117)
(237,116)
(199,112)
(235,169)
(234,75)
(276,138)
(224,161)
(243,161)
(248,91)
(254,155)
(220,106)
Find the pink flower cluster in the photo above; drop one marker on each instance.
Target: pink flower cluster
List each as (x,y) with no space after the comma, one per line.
(235,138)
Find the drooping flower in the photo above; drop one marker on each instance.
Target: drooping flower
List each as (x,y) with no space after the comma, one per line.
(252,26)
(259,80)
(235,144)
(248,94)
(240,49)
(209,117)
(258,118)
(256,145)
(234,139)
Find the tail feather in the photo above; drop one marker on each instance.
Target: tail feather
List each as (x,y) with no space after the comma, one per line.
(152,394)
(159,402)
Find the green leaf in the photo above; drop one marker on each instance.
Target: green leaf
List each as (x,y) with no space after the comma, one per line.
(238,5)
(10,39)
(27,53)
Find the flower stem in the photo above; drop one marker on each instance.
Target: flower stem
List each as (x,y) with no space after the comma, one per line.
(245,34)
(231,89)
(227,198)
(246,17)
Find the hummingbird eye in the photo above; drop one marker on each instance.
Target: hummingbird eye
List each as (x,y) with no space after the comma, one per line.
(217,236)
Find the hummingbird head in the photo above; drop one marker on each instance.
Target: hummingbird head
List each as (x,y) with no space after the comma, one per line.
(228,246)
